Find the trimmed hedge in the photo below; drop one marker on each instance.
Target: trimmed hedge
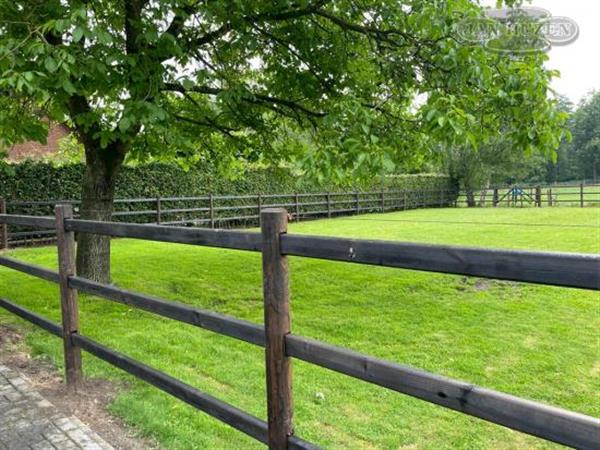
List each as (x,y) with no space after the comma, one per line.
(42,181)
(35,181)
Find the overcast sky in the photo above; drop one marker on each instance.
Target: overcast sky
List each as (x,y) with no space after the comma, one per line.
(579,62)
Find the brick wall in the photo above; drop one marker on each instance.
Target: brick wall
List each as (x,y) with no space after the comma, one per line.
(35,150)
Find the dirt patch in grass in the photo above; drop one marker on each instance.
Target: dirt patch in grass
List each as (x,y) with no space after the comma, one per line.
(471,284)
(89,404)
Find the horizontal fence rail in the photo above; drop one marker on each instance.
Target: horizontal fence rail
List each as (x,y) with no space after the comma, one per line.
(211,238)
(560,269)
(219,323)
(36,271)
(534,418)
(244,422)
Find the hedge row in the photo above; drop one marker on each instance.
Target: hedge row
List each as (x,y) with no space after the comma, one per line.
(42,181)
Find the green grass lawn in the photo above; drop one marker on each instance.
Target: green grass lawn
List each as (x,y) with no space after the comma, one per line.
(537,342)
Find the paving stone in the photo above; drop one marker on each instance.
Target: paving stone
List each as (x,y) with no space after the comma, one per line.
(30,422)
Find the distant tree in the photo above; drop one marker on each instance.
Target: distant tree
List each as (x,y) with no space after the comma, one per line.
(499,161)
(230,79)
(585,146)
(494,163)
(557,166)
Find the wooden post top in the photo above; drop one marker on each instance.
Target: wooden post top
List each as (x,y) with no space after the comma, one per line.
(276,216)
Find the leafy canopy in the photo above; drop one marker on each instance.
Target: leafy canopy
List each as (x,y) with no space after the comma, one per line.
(585,147)
(345,86)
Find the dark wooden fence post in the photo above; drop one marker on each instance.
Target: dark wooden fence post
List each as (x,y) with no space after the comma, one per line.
(495,198)
(538,196)
(3,227)
(328,198)
(277,326)
(581,195)
(211,210)
(357,200)
(68,297)
(259,207)
(158,211)
(297,198)
(382,201)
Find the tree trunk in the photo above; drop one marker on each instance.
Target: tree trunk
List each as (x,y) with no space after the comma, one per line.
(470,198)
(483,194)
(93,251)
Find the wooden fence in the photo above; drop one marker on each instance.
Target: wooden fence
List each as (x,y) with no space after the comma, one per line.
(229,211)
(580,195)
(282,346)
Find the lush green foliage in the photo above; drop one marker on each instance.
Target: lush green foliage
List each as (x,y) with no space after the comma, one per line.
(43,181)
(585,147)
(500,163)
(334,84)
(527,340)
(497,163)
(578,157)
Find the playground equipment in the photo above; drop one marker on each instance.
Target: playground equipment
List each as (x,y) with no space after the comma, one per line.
(516,196)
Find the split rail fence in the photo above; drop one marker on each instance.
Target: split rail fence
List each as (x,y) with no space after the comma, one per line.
(229,211)
(281,345)
(579,195)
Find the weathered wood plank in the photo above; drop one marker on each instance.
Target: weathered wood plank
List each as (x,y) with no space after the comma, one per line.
(28,221)
(146,212)
(277,325)
(211,238)
(558,269)
(226,413)
(554,424)
(236,418)
(208,320)
(32,317)
(69,303)
(30,269)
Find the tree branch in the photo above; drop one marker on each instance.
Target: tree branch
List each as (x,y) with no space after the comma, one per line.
(251,98)
(133,12)
(380,34)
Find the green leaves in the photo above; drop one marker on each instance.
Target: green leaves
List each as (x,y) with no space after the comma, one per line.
(78,34)
(68,86)
(124,124)
(50,64)
(350,90)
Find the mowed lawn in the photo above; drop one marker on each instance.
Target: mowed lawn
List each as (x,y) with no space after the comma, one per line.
(538,342)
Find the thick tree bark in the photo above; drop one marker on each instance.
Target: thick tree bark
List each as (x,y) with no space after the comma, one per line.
(93,251)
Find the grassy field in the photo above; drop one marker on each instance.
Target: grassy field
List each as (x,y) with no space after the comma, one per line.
(537,342)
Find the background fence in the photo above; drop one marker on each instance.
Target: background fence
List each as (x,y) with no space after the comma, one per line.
(281,345)
(238,211)
(230,211)
(580,194)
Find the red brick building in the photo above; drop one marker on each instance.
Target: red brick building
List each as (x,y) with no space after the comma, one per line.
(34,150)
